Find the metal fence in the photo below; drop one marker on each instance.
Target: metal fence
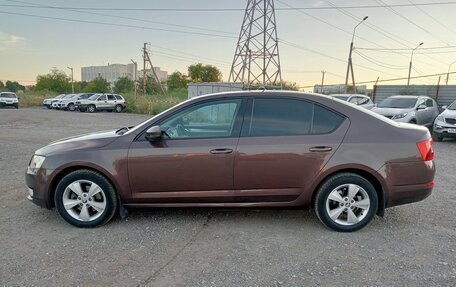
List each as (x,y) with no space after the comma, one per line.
(445,95)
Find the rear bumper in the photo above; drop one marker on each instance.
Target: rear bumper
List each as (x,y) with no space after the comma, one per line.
(408,182)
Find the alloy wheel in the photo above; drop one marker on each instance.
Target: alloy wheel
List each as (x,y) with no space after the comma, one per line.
(84,200)
(348,204)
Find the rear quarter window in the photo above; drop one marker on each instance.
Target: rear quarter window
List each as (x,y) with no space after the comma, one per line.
(325,120)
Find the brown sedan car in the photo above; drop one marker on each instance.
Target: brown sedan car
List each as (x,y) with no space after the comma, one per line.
(242,149)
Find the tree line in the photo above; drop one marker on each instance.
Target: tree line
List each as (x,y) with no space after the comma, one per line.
(59,82)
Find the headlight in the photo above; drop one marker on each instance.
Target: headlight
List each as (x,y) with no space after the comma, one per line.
(400,116)
(35,164)
(440,119)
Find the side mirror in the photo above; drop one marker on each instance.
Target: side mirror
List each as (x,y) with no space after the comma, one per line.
(445,107)
(421,107)
(20,98)
(154,133)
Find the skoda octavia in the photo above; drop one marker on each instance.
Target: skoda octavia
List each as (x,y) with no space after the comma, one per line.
(241,149)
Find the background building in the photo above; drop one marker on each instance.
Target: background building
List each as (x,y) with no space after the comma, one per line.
(112,72)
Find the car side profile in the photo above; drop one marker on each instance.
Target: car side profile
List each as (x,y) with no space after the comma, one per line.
(68,103)
(99,102)
(240,149)
(421,110)
(445,123)
(9,99)
(356,99)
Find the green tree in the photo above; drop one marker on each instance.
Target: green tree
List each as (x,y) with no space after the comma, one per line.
(56,81)
(177,81)
(124,85)
(2,86)
(14,86)
(98,85)
(152,87)
(204,73)
(290,86)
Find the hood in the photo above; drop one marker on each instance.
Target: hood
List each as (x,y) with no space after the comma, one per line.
(391,111)
(93,140)
(449,113)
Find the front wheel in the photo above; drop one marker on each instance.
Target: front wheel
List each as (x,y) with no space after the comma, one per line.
(71,107)
(346,202)
(85,198)
(436,137)
(91,108)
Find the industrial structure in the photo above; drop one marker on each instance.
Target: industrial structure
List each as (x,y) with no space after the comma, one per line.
(256,59)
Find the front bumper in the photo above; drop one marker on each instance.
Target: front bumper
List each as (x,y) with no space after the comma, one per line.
(8,104)
(38,188)
(445,130)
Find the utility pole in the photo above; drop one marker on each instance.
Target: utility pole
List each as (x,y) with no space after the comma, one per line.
(72,82)
(144,68)
(448,73)
(322,81)
(256,60)
(350,63)
(136,70)
(147,59)
(410,66)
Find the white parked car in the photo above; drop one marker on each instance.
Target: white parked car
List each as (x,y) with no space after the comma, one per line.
(48,102)
(445,123)
(68,103)
(8,99)
(356,99)
(55,104)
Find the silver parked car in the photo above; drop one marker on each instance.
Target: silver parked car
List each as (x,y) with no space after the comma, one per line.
(98,102)
(421,110)
(68,103)
(445,123)
(356,99)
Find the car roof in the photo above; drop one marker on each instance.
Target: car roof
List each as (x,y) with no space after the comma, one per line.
(406,96)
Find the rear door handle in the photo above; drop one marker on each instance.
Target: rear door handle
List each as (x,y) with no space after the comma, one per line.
(221,151)
(320,149)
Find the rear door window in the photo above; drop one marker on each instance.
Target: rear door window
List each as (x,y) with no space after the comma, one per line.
(429,103)
(111,98)
(287,117)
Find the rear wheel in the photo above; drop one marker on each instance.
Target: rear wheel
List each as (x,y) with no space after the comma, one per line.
(85,198)
(346,202)
(91,108)
(118,108)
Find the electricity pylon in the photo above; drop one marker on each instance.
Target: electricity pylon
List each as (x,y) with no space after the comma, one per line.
(256,60)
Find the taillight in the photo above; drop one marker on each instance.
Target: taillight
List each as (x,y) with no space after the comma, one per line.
(425,149)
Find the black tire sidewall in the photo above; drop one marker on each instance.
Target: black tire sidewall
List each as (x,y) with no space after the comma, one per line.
(71,107)
(91,106)
(110,194)
(330,185)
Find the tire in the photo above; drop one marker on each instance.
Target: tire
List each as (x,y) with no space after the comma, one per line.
(16,106)
(49,107)
(91,108)
(350,212)
(71,107)
(413,122)
(118,108)
(76,203)
(436,137)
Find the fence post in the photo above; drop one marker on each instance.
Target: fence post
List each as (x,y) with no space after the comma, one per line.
(437,91)
(374,92)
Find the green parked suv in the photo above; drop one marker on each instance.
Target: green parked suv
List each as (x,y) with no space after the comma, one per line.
(99,102)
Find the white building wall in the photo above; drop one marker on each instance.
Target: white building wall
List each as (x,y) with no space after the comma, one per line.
(110,72)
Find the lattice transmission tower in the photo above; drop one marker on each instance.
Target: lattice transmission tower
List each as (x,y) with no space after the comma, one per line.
(256,60)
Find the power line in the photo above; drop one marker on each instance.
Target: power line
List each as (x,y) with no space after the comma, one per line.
(226,9)
(432,17)
(123,17)
(378,63)
(117,25)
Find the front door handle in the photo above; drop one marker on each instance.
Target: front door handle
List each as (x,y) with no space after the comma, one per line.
(221,151)
(320,149)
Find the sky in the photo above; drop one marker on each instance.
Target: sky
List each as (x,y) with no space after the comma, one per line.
(34,38)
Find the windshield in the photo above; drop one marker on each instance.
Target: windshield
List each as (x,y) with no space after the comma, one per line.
(452,106)
(60,96)
(8,95)
(343,98)
(399,103)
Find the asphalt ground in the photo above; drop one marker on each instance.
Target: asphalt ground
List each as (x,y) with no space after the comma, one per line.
(413,245)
